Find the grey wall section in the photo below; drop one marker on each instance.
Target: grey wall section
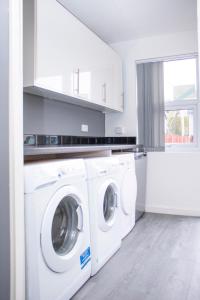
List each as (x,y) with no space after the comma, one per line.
(4,154)
(43,116)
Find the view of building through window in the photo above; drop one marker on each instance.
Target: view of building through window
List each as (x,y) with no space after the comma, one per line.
(180,94)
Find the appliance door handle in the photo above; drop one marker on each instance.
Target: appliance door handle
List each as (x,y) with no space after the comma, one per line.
(80,218)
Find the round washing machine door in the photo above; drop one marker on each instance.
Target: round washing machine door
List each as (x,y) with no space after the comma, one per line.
(61,236)
(108,204)
(128,192)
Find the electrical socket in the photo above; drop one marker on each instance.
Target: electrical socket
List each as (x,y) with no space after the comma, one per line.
(84,128)
(120,130)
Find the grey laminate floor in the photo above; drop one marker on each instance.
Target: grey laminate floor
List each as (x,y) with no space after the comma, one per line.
(159,260)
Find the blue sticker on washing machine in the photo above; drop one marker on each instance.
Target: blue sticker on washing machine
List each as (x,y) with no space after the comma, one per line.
(85,257)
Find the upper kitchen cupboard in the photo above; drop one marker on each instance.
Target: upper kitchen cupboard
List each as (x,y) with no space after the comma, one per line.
(64,60)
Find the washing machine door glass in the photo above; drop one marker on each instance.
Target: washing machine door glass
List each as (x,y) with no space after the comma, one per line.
(64,229)
(110,203)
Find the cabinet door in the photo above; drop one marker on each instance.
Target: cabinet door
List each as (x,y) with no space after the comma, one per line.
(108,86)
(56,47)
(108,78)
(66,51)
(68,58)
(102,85)
(112,79)
(118,95)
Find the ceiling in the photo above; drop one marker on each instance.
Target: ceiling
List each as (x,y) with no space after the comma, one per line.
(120,20)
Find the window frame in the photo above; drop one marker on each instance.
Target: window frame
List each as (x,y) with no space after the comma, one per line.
(192,104)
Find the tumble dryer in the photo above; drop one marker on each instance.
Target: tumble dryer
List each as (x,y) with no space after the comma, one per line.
(57,229)
(104,202)
(128,191)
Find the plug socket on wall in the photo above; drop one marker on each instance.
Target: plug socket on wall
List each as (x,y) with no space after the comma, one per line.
(120,130)
(84,128)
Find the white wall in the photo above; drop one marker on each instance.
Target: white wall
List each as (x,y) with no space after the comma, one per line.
(141,49)
(173,184)
(44,116)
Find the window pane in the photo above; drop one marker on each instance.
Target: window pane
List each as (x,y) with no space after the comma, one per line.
(179,126)
(180,80)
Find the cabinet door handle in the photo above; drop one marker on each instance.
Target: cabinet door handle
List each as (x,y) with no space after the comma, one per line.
(76,81)
(104,88)
(122,95)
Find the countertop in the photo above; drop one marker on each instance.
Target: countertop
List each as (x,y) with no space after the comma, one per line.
(46,150)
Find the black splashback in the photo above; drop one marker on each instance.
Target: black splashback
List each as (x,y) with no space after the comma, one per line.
(60,140)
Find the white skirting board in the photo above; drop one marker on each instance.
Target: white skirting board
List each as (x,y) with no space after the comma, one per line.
(172,211)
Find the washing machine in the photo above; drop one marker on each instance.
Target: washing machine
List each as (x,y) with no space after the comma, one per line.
(104,208)
(57,229)
(128,191)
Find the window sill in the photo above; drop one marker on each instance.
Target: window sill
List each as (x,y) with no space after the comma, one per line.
(182,149)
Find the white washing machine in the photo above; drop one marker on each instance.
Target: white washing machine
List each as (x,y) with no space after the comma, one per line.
(57,229)
(128,191)
(104,201)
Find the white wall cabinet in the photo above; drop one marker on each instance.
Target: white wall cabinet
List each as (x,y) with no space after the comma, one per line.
(66,61)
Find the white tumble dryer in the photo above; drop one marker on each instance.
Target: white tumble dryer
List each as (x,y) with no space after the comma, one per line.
(57,229)
(104,201)
(128,191)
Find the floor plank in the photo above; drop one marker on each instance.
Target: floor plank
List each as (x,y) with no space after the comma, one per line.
(159,260)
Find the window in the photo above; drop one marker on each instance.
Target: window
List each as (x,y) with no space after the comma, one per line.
(180,95)
(179,126)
